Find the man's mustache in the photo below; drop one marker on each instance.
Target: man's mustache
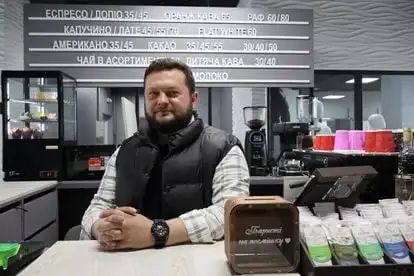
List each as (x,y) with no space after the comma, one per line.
(163,110)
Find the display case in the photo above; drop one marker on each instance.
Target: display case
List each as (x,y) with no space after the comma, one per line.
(39,118)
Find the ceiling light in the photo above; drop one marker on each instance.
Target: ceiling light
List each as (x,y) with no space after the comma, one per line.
(333,97)
(364,80)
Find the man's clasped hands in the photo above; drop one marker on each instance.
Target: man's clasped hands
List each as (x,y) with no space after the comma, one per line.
(123,228)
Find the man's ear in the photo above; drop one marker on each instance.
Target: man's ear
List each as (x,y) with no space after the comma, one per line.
(194,99)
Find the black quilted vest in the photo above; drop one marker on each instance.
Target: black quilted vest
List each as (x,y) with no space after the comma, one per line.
(187,170)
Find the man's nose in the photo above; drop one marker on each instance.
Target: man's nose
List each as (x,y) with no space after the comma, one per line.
(162,98)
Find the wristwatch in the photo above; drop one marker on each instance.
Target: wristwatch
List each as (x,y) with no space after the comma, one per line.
(160,230)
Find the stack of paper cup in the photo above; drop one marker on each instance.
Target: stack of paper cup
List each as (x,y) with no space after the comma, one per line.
(341,140)
(356,140)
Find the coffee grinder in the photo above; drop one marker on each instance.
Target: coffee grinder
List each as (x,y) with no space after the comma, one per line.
(255,140)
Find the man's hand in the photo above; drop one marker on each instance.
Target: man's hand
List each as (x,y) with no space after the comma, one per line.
(107,230)
(136,233)
(126,212)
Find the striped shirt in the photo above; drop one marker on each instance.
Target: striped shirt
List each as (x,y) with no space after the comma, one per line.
(231,179)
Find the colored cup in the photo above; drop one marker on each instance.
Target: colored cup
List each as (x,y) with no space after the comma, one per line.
(356,139)
(341,140)
(370,140)
(384,141)
(317,142)
(327,142)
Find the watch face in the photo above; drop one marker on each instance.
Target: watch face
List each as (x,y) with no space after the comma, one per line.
(160,230)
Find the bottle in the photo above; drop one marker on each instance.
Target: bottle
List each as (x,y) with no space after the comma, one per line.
(406,150)
(403,180)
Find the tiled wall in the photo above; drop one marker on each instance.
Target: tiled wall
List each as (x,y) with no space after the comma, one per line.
(358,34)
(11,41)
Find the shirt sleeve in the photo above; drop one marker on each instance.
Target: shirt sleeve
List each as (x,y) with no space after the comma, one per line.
(231,179)
(103,199)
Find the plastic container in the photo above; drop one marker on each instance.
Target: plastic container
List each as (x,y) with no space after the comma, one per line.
(7,250)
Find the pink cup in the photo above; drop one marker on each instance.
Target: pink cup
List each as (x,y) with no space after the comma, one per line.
(356,139)
(341,140)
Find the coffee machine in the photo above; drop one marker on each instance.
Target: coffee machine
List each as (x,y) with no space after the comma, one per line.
(255,140)
(290,135)
(295,135)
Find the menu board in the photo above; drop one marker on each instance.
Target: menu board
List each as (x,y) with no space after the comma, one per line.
(225,47)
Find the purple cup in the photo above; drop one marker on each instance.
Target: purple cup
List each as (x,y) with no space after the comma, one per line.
(356,139)
(341,140)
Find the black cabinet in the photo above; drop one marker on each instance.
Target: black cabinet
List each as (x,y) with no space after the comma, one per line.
(39,119)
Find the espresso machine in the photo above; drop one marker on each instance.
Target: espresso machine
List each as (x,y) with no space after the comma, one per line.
(255,140)
(295,135)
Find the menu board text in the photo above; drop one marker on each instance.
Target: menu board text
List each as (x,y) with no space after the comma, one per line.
(224,46)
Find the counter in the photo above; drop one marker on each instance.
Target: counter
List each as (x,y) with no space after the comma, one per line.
(28,211)
(79,184)
(11,192)
(283,186)
(84,258)
(55,199)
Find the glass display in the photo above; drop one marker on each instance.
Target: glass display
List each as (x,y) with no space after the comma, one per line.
(69,110)
(33,107)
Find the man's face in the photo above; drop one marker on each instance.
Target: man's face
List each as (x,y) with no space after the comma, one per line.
(168,102)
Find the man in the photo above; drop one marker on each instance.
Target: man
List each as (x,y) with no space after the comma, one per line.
(168,183)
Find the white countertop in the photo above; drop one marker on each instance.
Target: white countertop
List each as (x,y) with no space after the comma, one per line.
(11,192)
(84,258)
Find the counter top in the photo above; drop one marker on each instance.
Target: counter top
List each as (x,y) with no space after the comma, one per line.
(11,192)
(84,258)
(79,184)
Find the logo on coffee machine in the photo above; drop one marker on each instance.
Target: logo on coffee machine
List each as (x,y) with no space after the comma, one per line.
(256,230)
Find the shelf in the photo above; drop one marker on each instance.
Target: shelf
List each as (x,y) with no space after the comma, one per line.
(35,101)
(37,121)
(44,85)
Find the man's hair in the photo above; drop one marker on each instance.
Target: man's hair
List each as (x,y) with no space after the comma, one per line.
(166,64)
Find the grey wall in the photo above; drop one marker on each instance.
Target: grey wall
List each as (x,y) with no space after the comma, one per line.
(223,116)
(87,115)
(358,34)
(202,108)
(117,94)
(397,99)
(105,114)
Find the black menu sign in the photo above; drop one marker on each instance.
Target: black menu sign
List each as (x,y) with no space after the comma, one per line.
(224,46)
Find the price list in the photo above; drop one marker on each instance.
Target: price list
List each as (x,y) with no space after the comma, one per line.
(224,46)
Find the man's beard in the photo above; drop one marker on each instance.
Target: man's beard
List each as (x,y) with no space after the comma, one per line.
(179,122)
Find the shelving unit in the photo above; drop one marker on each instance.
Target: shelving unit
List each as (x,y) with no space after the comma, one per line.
(39,115)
